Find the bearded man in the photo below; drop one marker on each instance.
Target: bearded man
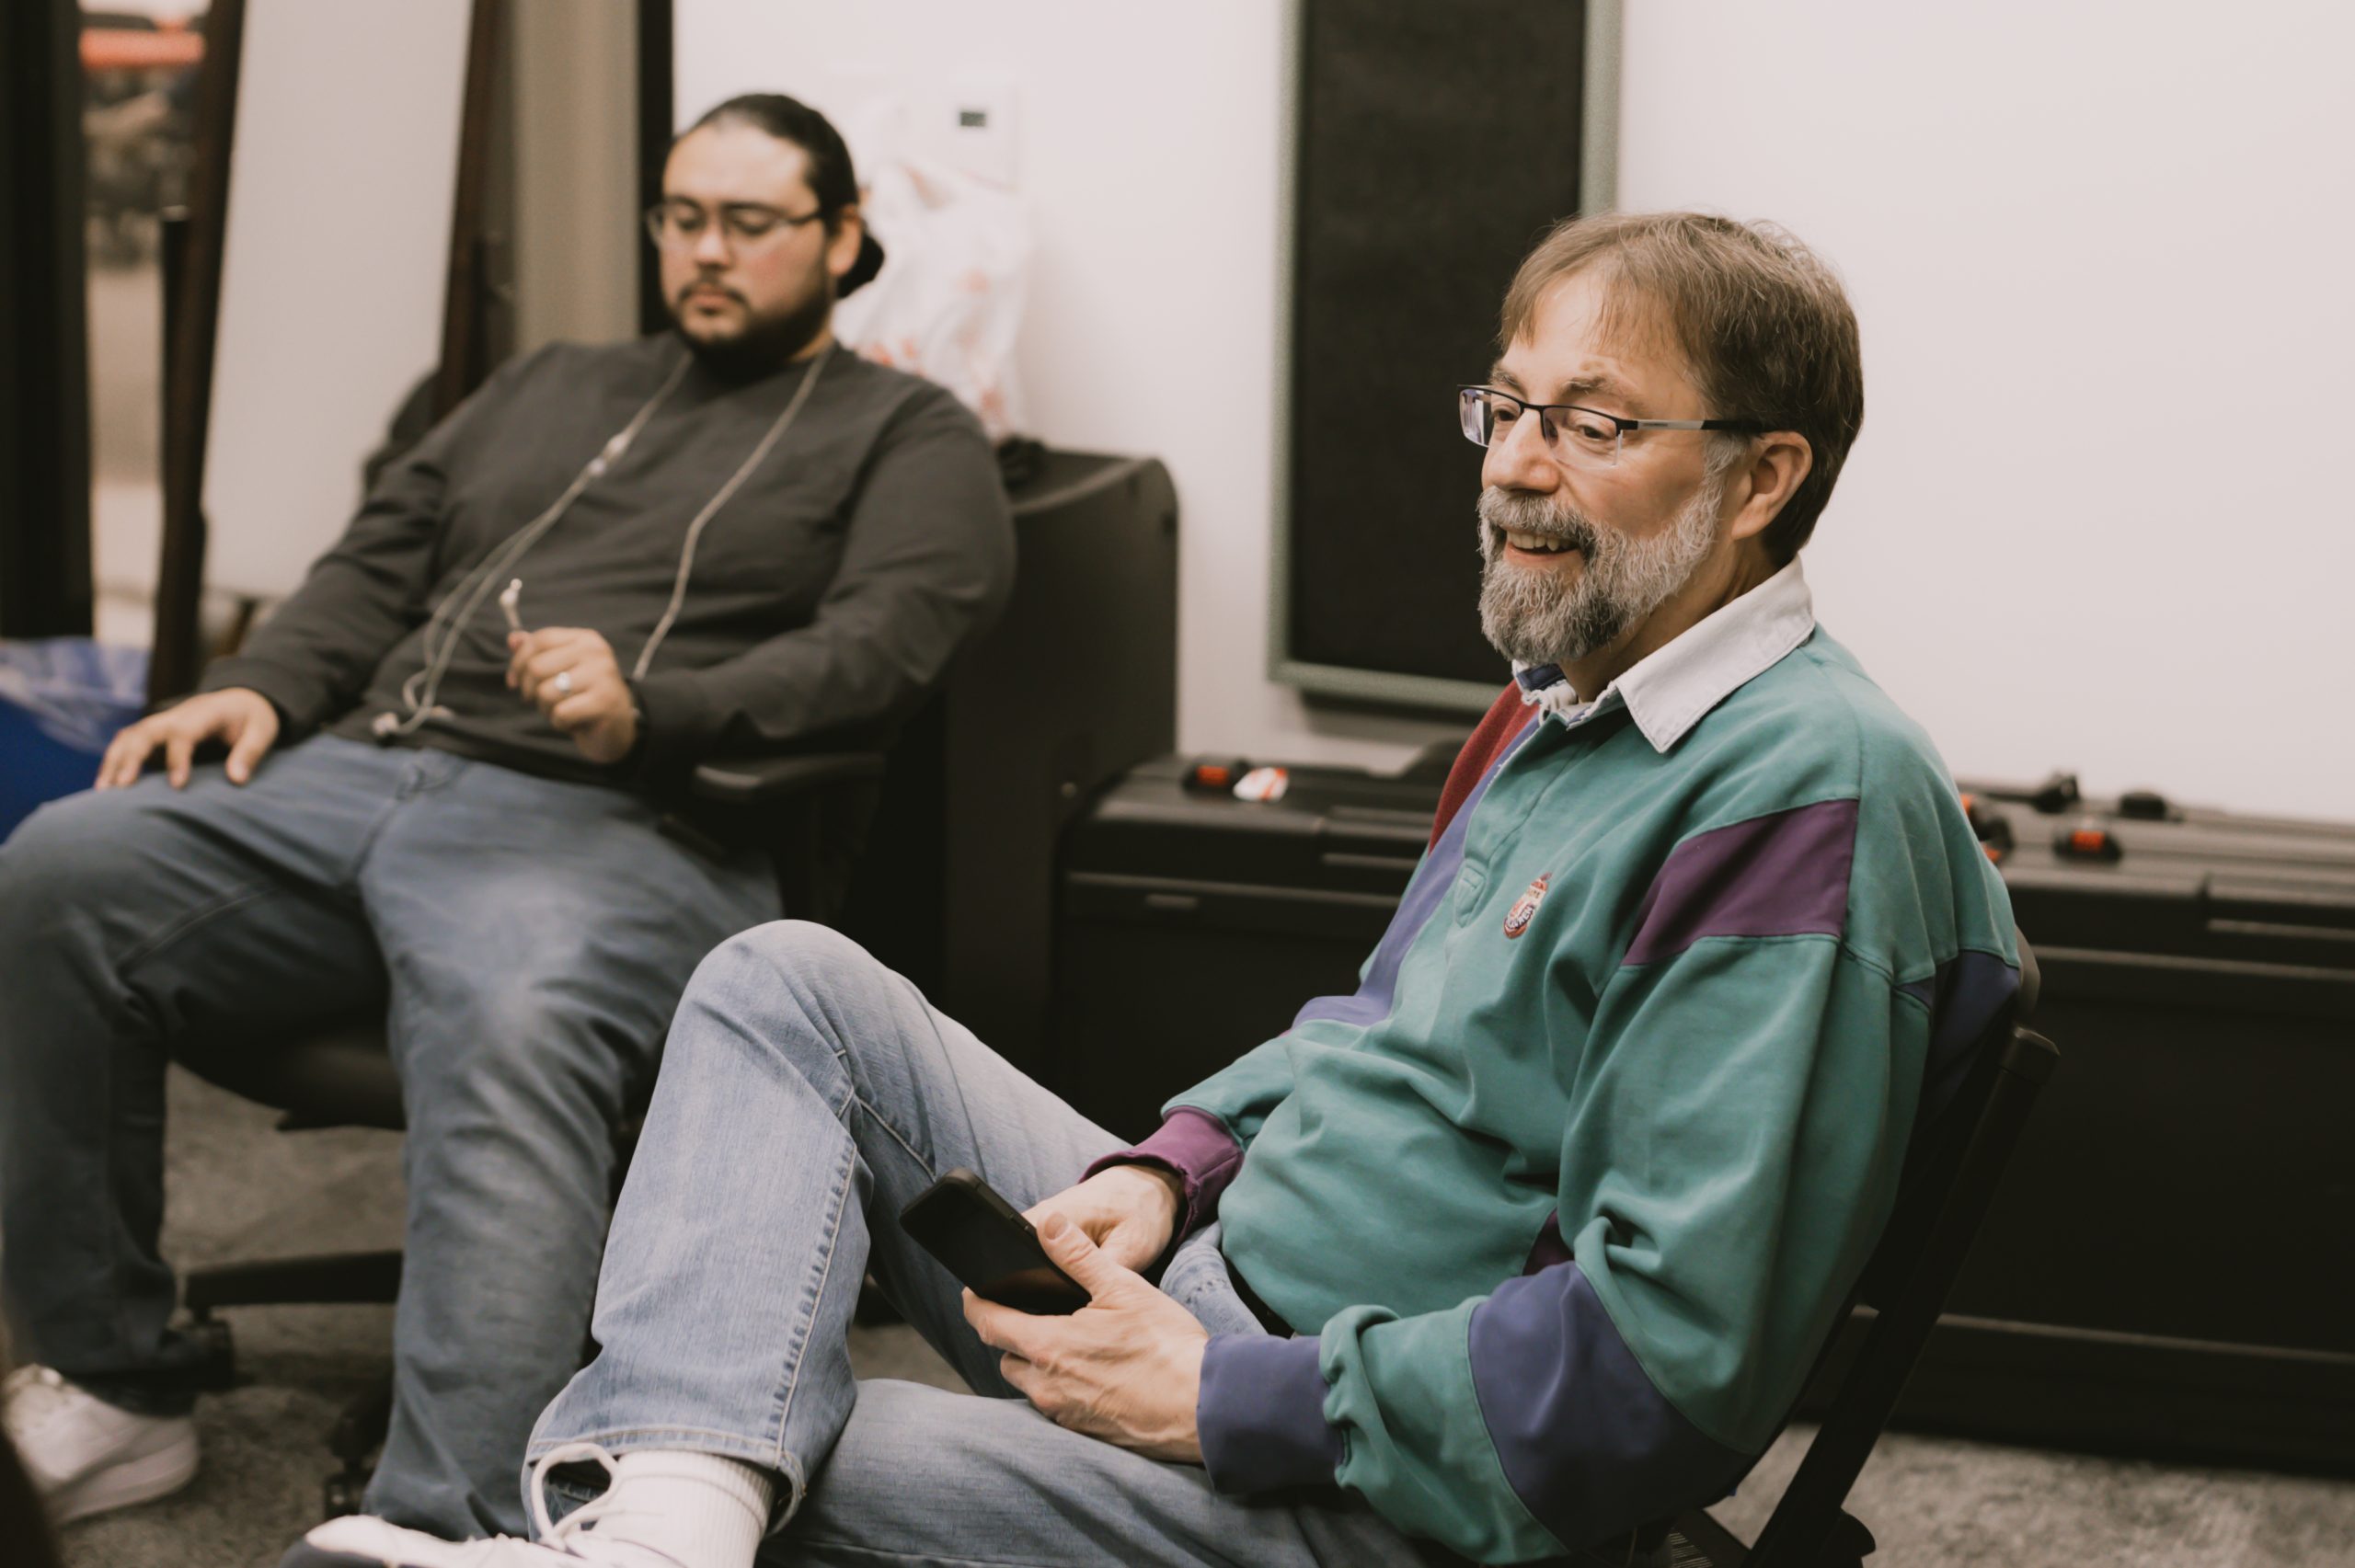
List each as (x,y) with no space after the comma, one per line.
(1531,1240)
(447,756)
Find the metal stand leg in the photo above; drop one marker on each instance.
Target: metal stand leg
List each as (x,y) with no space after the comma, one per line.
(359,1432)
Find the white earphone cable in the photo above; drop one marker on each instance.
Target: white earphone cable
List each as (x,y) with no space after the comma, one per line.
(437,661)
(711,507)
(421,705)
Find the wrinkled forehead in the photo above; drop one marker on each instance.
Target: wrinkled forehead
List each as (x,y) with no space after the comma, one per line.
(1596,331)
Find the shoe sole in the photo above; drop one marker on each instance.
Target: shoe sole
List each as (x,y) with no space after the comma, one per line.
(158,1475)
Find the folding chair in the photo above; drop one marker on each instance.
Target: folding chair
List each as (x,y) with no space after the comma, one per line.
(1942,1199)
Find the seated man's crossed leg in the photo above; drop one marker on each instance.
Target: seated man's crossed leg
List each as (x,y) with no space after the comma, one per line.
(722,1397)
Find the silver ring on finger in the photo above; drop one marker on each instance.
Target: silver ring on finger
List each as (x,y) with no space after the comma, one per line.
(564,682)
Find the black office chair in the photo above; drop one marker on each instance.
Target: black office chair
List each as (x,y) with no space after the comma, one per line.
(1949,1182)
(809,811)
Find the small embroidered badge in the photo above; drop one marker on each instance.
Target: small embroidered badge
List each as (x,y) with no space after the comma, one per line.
(1525,909)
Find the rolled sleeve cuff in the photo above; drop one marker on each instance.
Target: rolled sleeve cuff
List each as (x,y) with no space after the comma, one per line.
(677,724)
(1196,1148)
(1260,1415)
(301,704)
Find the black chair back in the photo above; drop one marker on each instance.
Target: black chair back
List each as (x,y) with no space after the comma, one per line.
(1941,1205)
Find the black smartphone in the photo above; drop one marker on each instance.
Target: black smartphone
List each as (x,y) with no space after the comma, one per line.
(986,1243)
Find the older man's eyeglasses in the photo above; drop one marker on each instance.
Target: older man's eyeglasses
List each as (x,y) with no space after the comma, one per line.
(747,224)
(1576,437)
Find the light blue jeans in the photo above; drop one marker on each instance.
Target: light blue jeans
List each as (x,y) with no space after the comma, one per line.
(529,940)
(807,1094)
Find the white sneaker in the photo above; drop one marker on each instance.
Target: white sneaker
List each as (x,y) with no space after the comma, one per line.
(358,1541)
(86,1456)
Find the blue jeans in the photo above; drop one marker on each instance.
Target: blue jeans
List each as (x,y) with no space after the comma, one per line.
(528,940)
(806,1095)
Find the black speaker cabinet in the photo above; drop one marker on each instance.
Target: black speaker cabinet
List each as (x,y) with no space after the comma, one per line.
(1075,684)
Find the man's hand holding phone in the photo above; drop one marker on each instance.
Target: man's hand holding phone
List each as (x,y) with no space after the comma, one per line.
(1129,1211)
(1127,1367)
(1104,1352)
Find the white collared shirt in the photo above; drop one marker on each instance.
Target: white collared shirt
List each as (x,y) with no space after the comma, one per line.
(1669,690)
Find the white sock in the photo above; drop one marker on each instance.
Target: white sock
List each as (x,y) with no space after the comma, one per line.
(699,1509)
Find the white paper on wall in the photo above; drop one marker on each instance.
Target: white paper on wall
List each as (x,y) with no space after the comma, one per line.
(342,174)
(948,302)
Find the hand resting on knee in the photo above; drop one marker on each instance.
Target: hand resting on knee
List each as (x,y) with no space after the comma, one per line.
(237,716)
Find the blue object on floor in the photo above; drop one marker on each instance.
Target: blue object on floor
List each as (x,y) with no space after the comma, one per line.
(61,699)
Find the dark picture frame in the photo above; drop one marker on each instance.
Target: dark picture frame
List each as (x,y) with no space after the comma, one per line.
(46,586)
(1400,238)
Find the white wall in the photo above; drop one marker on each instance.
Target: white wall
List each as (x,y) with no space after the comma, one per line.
(341,177)
(2100,515)
(2099,254)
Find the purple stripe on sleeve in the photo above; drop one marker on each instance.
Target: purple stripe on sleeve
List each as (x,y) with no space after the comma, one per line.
(1587,1443)
(1371,1002)
(1969,991)
(1196,1148)
(1782,875)
(1262,1415)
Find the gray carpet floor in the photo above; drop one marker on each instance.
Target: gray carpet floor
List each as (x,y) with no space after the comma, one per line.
(241,1190)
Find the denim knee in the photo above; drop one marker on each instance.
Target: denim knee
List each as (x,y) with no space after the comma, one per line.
(792,984)
(59,850)
(800,959)
(799,949)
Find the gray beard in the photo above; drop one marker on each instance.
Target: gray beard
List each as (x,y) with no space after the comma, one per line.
(1620,582)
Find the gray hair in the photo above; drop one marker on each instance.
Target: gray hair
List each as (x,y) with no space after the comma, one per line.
(1762,321)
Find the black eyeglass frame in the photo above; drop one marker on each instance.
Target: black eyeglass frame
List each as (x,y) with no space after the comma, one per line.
(1468,399)
(657,217)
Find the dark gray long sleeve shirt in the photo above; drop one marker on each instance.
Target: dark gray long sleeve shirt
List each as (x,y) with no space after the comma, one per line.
(825,596)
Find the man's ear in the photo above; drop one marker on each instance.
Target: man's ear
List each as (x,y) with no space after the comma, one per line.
(842,246)
(1767,479)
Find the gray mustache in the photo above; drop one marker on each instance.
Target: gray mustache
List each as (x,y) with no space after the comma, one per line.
(1523,513)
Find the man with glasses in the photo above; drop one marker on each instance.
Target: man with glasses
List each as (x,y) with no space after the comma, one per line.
(1531,1240)
(453,797)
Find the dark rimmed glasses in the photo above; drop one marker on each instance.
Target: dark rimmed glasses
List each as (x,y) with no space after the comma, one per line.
(748,224)
(1576,436)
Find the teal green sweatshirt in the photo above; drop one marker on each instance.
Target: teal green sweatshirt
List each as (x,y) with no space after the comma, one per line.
(1564,1199)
